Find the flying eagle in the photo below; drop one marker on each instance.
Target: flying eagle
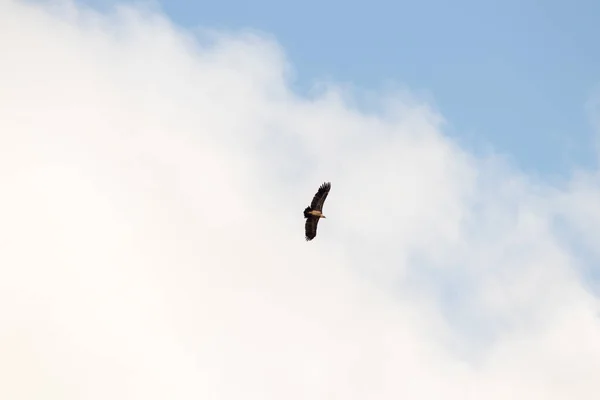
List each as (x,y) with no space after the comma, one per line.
(314,212)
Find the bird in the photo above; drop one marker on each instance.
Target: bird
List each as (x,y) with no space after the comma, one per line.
(315,212)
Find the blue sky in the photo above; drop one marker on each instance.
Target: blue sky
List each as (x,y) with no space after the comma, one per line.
(514,75)
(170,259)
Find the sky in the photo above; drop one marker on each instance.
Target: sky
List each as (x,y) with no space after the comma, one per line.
(153,171)
(511,76)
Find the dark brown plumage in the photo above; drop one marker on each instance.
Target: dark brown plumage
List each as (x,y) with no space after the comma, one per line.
(315,212)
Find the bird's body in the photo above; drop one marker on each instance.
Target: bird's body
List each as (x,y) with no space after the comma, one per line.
(315,212)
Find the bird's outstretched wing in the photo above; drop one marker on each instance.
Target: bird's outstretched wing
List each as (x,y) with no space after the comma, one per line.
(320,196)
(310,228)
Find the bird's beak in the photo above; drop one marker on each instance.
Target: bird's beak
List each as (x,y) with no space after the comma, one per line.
(324,216)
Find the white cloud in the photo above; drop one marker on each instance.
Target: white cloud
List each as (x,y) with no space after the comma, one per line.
(152,238)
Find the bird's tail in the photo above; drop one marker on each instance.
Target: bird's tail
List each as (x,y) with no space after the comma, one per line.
(306,211)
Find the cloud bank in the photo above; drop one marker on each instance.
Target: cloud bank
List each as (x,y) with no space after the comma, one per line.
(151,232)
